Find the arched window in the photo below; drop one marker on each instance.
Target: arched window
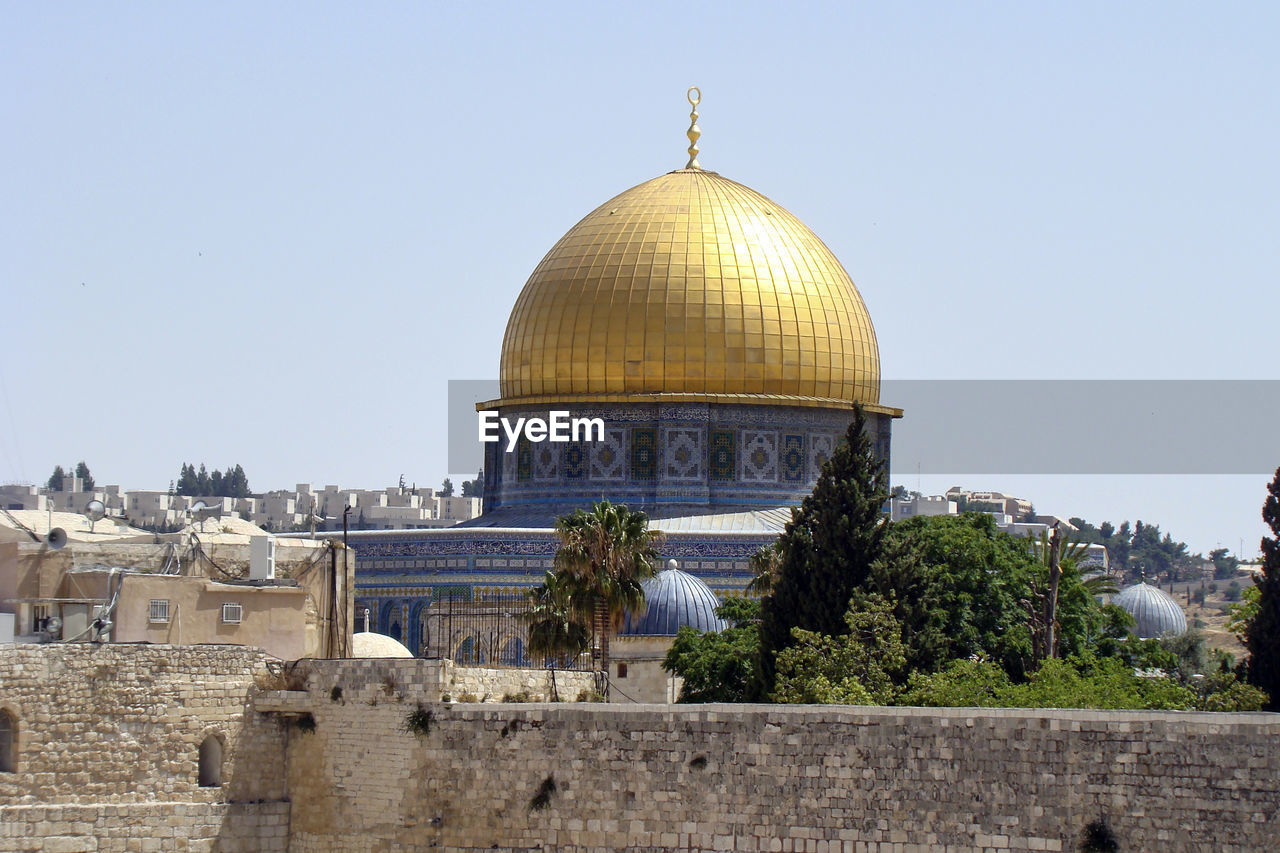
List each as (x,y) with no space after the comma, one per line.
(211,762)
(8,743)
(513,653)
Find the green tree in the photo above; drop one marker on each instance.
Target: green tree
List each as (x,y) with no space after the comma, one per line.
(474,488)
(962,589)
(858,667)
(1224,565)
(1262,636)
(965,683)
(827,549)
(446,488)
(765,566)
(608,552)
(82,471)
(1119,547)
(55,479)
(1083,681)
(718,666)
(1241,614)
(557,621)
(187,484)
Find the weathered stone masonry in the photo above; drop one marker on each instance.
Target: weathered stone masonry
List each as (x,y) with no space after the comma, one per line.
(108,750)
(109,741)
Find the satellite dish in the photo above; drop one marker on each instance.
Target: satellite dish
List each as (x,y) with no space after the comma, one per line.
(199,507)
(57,539)
(94,510)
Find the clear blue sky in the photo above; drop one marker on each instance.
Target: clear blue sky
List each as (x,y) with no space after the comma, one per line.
(268,234)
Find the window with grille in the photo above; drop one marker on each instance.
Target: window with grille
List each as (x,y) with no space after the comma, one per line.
(231,613)
(8,743)
(159,610)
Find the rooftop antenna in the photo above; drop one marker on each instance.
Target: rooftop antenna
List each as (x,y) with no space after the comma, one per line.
(94,510)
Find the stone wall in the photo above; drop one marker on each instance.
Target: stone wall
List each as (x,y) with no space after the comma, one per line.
(108,742)
(415,680)
(159,827)
(873,780)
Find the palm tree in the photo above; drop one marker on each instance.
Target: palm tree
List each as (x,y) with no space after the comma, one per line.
(766,565)
(607,552)
(557,623)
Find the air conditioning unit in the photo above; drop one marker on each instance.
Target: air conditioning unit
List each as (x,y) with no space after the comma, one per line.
(262,558)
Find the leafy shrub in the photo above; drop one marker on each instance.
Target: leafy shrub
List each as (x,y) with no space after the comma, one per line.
(418,721)
(542,798)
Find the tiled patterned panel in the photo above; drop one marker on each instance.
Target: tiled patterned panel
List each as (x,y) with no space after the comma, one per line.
(682,453)
(546,458)
(524,459)
(575,461)
(508,462)
(722,456)
(644,454)
(759,456)
(609,457)
(794,467)
(821,446)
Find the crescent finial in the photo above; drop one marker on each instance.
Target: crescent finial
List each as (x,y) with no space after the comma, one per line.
(695,97)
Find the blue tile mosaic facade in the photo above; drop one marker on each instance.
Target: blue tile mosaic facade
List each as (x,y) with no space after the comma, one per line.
(644,454)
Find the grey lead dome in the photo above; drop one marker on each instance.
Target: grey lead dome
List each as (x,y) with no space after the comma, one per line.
(1153,609)
(674,599)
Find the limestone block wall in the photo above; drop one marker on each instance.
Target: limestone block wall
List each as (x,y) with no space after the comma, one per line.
(108,739)
(369,680)
(765,778)
(159,827)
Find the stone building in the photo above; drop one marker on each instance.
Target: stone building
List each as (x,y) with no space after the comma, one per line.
(116,584)
(673,600)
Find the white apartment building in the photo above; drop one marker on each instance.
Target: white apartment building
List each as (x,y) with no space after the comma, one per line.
(393,508)
(921,505)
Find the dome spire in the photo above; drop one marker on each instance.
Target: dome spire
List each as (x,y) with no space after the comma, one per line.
(695,97)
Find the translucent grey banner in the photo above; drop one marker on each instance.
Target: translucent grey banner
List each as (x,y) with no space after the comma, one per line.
(1000,426)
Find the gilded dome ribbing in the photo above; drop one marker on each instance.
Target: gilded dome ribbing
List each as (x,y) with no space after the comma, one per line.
(690,286)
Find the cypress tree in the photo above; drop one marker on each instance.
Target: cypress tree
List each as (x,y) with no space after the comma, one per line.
(827,549)
(1262,636)
(82,471)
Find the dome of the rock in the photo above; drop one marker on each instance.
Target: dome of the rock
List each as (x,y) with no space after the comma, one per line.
(690,287)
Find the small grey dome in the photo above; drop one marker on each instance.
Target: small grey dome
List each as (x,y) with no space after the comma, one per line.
(1153,609)
(674,599)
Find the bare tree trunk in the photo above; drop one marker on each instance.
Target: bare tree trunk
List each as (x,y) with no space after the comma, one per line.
(602,623)
(1051,608)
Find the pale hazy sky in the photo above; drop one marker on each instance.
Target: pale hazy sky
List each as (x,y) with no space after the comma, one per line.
(268,234)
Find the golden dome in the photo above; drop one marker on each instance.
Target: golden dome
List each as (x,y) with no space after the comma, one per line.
(690,287)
